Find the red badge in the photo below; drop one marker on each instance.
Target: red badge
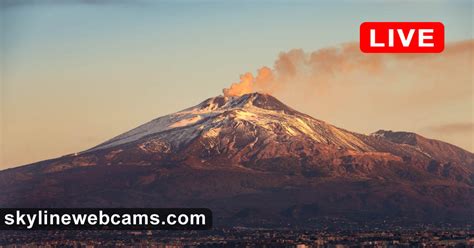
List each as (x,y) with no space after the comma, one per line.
(402,37)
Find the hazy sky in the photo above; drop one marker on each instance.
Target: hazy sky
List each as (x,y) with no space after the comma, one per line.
(76,73)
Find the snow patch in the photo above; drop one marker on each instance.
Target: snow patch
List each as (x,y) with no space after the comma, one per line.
(186,122)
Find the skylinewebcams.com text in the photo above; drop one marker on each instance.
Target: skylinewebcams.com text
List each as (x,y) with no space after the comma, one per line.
(43,218)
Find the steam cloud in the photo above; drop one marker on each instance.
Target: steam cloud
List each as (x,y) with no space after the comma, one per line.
(334,64)
(366,92)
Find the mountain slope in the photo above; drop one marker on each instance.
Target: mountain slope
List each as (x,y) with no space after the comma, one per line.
(256,109)
(435,149)
(255,161)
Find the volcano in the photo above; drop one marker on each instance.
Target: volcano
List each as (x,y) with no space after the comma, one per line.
(256,162)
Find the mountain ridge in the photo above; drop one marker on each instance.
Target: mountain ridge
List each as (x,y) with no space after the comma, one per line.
(242,106)
(227,153)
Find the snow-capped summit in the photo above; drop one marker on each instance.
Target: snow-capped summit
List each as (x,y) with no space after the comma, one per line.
(255,116)
(258,126)
(258,100)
